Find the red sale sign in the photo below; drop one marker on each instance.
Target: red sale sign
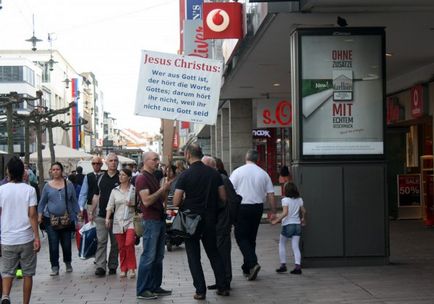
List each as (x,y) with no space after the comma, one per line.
(273,114)
(409,190)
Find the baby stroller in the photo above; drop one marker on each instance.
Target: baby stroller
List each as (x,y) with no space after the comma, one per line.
(171,239)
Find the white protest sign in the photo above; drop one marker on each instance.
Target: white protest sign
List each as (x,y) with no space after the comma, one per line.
(178,87)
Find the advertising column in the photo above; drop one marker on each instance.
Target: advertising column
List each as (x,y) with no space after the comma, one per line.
(338,85)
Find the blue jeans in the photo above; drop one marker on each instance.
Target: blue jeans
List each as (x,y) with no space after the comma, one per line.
(150,273)
(290,230)
(54,238)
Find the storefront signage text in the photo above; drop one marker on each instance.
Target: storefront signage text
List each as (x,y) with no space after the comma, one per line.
(274,114)
(194,9)
(261,133)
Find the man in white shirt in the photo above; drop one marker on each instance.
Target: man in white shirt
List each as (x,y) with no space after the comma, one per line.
(254,185)
(19,230)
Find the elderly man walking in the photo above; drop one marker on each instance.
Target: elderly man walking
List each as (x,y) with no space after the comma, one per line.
(107,182)
(89,186)
(224,222)
(254,185)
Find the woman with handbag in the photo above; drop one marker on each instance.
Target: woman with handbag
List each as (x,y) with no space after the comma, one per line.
(58,209)
(122,204)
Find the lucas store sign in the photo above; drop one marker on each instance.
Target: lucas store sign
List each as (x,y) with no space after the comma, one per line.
(273,114)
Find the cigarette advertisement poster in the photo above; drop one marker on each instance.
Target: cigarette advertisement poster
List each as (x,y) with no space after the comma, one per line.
(178,87)
(342,94)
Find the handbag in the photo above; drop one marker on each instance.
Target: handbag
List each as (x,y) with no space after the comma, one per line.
(63,221)
(185,223)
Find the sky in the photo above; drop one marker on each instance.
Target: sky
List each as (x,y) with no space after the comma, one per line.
(100,36)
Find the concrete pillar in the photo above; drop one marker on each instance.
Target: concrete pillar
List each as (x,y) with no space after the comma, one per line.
(240,131)
(225,124)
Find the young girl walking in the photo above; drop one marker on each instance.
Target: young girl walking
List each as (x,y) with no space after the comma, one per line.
(292,218)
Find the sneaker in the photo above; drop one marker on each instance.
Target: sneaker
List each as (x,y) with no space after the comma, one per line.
(147,295)
(112,271)
(68,267)
(254,272)
(19,273)
(281,269)
(131,273)
(100,272)
(295,271)
(123,274)
(54,271)
(162,292)
(6,301)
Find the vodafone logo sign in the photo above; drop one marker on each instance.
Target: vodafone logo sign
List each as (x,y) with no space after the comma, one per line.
(222,20)
(218,20)
(415,98)
(417,101)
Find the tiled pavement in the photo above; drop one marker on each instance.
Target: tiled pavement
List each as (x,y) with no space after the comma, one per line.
(408,279)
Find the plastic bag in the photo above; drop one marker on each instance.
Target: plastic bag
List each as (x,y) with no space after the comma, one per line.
(88,242)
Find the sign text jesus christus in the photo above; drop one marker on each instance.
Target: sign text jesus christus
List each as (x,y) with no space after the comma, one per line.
(178,87)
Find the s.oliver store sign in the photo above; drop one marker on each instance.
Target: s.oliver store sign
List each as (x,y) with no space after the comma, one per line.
(273,114)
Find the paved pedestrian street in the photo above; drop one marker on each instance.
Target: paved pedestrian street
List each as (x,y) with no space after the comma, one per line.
(408,279)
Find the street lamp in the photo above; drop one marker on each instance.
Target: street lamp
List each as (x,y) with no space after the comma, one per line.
(67,81)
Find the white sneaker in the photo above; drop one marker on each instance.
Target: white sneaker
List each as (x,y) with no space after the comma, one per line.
(54,271)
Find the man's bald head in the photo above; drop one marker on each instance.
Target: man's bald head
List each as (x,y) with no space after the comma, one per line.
(209,161)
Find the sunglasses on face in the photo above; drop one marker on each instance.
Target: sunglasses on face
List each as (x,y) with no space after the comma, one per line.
(96,164)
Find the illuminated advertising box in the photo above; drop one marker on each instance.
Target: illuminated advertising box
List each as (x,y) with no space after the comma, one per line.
(341,97)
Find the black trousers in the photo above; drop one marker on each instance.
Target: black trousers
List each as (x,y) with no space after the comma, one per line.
(224,247)
(246,229)
(206,234)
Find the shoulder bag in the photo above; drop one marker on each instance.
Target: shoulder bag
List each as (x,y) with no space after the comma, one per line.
(137,218)
(185,223)
(63,221)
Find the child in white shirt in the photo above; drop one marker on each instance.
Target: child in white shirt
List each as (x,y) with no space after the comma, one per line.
(292,218)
